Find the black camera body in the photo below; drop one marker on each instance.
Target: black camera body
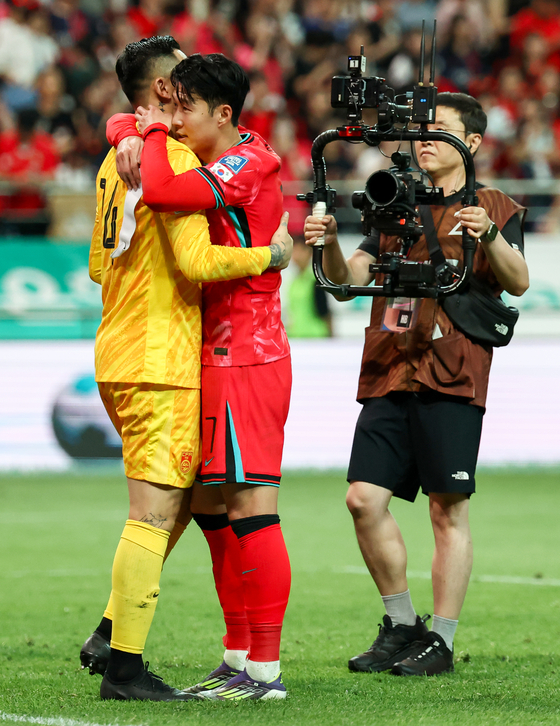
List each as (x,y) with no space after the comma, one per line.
(354,92)
(388,203)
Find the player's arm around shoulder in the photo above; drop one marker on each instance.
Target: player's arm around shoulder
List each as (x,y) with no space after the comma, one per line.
(201,261)
(198,259)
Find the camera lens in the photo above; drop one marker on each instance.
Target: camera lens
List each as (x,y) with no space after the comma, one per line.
(383,188)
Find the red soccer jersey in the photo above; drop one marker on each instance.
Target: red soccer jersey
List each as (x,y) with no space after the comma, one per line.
(242,322)
(241,193)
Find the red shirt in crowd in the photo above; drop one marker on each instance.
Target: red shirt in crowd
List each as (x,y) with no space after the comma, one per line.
(24,160)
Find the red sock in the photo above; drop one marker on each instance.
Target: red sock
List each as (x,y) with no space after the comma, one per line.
(226,566)
(266,586)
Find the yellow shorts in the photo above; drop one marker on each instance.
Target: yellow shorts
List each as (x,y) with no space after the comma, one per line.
(160,430)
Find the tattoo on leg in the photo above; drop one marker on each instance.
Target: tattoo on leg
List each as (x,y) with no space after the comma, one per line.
(154,520)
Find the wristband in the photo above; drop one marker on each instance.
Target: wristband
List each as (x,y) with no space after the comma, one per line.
(157,126)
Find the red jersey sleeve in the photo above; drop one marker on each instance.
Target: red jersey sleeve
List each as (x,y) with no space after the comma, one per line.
(120,126)
(239,174)
(163,191)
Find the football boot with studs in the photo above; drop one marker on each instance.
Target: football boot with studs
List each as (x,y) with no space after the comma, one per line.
(95,654)
(146,686)
(244,688)
(218,678)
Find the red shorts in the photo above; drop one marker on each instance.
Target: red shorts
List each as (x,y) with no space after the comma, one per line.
(244,409)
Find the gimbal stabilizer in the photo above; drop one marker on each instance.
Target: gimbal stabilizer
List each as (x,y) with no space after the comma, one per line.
(388,203)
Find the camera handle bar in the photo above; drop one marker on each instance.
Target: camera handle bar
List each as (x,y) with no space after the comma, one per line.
(323,198)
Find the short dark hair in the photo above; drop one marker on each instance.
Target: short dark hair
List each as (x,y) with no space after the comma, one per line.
(214,79)
(138,62)
(469,109)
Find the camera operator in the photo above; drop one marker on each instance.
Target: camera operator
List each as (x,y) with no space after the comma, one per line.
(423,389)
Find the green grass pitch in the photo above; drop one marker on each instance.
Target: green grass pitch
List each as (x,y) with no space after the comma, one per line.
(59,533)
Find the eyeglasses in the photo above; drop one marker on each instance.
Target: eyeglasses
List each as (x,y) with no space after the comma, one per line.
(440,128)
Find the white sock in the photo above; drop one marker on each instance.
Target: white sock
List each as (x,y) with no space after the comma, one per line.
(445,628)
(263,671)
(400,609)
(236,659)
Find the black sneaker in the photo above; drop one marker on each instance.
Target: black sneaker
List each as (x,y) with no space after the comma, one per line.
(146,686)
(429,658)
(95,654)
(393,644)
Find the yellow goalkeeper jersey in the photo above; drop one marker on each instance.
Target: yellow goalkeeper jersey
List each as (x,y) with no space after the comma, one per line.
(150,328)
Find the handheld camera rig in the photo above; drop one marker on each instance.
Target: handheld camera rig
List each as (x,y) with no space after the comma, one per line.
(388,202)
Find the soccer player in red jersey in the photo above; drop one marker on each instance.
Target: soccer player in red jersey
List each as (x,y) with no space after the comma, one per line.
(246,378)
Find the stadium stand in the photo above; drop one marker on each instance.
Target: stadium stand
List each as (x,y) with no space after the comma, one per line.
(57,58)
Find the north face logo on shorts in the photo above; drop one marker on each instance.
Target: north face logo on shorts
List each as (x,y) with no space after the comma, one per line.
(461,476)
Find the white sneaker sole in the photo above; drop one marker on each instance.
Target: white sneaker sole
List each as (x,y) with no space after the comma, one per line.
(273,695)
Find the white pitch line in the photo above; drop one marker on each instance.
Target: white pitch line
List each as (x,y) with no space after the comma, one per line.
(510,580)
(491,579)
(347,570)
(45,518)
(16,718)
(80,572)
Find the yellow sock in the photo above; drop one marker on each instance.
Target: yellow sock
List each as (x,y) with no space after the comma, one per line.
(136,573)
(174,537)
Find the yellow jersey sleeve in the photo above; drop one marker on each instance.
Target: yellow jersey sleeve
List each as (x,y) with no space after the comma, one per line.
(198,259)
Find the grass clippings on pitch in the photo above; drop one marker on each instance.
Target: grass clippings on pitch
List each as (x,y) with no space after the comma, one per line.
(59,534)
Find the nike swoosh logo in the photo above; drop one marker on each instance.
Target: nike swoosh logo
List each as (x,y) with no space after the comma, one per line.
(209,461)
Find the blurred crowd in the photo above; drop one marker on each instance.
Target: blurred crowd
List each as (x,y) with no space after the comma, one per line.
(58,86)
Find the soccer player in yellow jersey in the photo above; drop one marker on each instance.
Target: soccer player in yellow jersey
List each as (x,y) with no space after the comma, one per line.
(147,362)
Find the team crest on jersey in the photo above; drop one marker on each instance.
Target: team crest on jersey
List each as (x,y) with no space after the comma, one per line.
(186,461)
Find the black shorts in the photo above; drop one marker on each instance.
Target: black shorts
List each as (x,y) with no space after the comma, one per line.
(407,441)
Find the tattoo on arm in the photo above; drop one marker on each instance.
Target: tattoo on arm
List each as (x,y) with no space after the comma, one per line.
(154,520)
(276,254)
